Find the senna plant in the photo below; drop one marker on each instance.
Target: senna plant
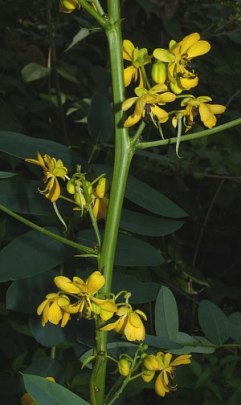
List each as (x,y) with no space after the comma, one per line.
(150,88)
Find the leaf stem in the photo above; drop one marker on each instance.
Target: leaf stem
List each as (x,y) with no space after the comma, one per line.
(190,137)
(46,232)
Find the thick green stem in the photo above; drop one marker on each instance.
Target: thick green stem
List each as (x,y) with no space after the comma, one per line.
(123,155)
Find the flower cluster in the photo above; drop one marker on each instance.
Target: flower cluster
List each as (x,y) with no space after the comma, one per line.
(77,296)
(171,75)
(85,194)
(165,366)
(146,366)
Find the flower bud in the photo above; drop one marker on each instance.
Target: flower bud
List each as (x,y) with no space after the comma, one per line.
(70,187)
(124,367)
(147,375)
(79,199)
(158,72)
(67,6)
(101,187)
(150,362)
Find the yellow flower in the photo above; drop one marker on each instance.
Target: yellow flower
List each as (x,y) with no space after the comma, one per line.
(147,104)
(100,201)
(200,106)
(129,323)
(52,169)
(178,58)
(86,303)
(53,308)
(138,59)
(162,362)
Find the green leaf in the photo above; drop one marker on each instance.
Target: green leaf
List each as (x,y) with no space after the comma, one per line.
(130,251)
(161,343)
(100,119)
(34,71)
(166,315)
(83,33)
(23,146)
(25,295)
(235,326)
(63,71)
(152,200)
(141,292)
(192,344)
(48,335)
(21,196)
(30,254)
(46,392)
(148,225)
(45,367)
(6,175)
(213,322)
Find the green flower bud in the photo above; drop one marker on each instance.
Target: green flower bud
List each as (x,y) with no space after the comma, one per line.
(124,367)
(70,187)
(79,199)
(159,72)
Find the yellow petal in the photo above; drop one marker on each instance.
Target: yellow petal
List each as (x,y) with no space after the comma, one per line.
(198,49)
(95,282)
(151,362)
(41,307)
(147,375)
(128,49)
(188,83)
(110,326)
(65,284)
(55,313)
(132,120)
(183,359)
(216,108)
(101,187)
(188,41)
(159,114)
(211,122)
(132,332)
(204,112)
(128,103)
(53,190)
(163,55)
(130,73)
(160,387)
(65,319)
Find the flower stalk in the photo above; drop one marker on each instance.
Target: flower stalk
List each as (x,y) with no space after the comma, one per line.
(123,155)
